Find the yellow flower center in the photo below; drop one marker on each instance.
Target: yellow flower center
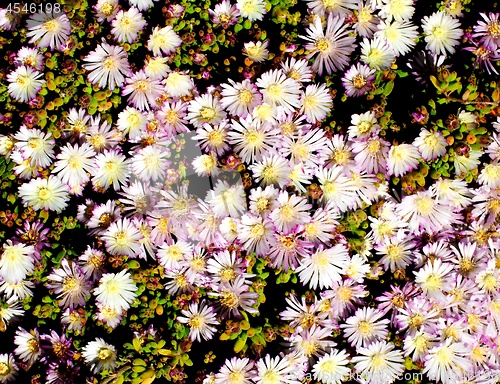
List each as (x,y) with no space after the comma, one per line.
(424,205)
(245,96)
(216,138)
(364,127)
(121,239)
(359,81)
(275,91)
(51,25)
(4,369)
(373,147)
(229,299)
(71,284)
(109,63)
(44,194)
(494,29)
(323,45)
(107,9)
(344,294)
(196,321)
(104,353)
(365,328)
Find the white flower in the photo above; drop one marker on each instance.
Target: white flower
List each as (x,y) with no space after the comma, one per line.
(239,99)
(337,189)
(316,102)
(430,144)
(116,290)
(333,46)
(365,327)
(332,367)
(377,53)
(28,347)
(256,52)
(201,321)
(271,170)
(70,284)
(297,69)
(106,10)
(127,24)
(150,163)
(336,7)
(35,146)
(16,262)
(278,90)
(403,158)
(25,83)
(399,10)
(74,163)
(227,200)
(49,194)
(447,362)
(276,370)
(205,109)
(434,278)
(142,5)
(111,168)
(235,371)
(122,238)
(156,67)
(99,355)
(401,36)
(143,91)
(251,9)
(51,29)
(325,267)
(379,363)
(178,84)
(442,33)
(108,66)
(163,40)
(131,122)
(30,57)
(8,367)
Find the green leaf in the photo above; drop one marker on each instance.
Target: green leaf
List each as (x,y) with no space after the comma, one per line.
(237,28)
(388,88)
(137,344)
(139,362)
(240,343)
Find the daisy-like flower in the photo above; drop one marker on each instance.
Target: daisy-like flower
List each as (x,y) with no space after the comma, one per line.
(127,24)
(286,249)
(377,53)
(363,126)
(150,163)
(251,138)
(171,256)
(316,102)
(99,355)
(333,46)
(490,176)
(442,33)
(371,154)
(49,29)
(434,278)
(304,146)
(24,83)
(122,238)
(379,363)
(467,162)
(205,109)
(178,84)
(235,295)
(8,367)
(278,90)
(401,36)
(488,30)
(70,284)
(163,40)
(27,345)
(337,7)
(106,10)
(418,345)
(227,200)
(131,122)
(424,212)
(111,168)
(275,370)
(9,19)
(251,9)
(447,362)
(109,315)
(263,201)
(235,371)
(172,117)
(257,52)
(30,57)
(396,251)
(239,99)
(16,262)
(297,69)
(116,290)
(332,368)
(358,80)
(201,319)
(35,146)
(403,158)
(142,5)
(337,189)
(399,10)
(313,341)
(290,211)
(156,67)
(273,169)
(143,91)
(108,66)
(74,163)
(49,194)
(366,20)
(430,144)
(225,13)
(365,327)
(325,267)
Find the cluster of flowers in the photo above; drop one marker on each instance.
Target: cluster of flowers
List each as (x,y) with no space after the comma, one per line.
(447,313)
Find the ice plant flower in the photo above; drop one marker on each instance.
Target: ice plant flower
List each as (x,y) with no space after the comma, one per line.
(107,66)
(332,46)
(163,40)
(99,355)
(127,24)
(201,319)
(24,83)
(116,290)
(49,29)
(49,194)
(251,9)
(16,262)
(442,32)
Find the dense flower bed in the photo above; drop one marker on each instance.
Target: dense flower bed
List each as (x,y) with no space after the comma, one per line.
(249,191)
